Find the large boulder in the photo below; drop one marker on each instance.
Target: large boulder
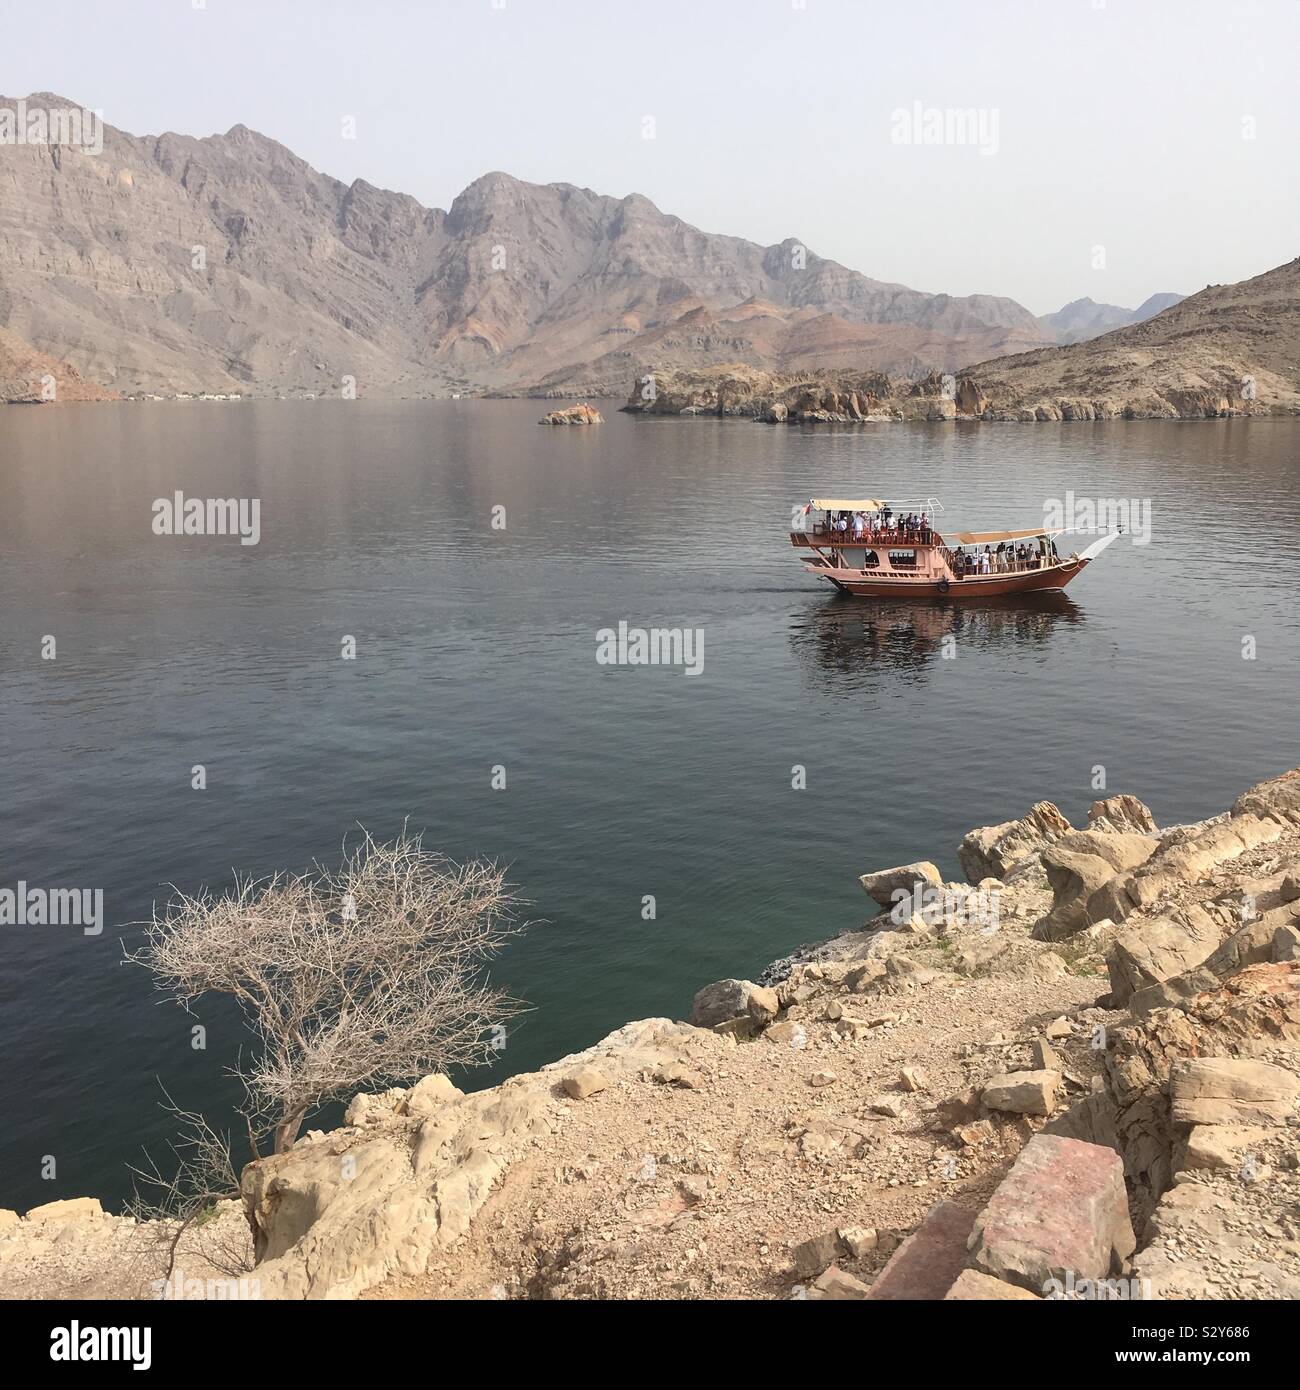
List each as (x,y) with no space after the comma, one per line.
(1157,950)
(1251,944)
(1123,813)
(912,879)
(1221,1146)
(429,1094)
(1230,1091)
(583,1083)
(724,1000)
(993,851)
(1079,865)
(1065,860)
(1198,857)
(1022,1092)
(1061,1210)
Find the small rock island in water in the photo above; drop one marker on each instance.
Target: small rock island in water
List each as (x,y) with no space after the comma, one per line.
(582,414)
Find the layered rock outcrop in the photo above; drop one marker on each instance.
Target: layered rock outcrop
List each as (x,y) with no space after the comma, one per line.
(344,1211)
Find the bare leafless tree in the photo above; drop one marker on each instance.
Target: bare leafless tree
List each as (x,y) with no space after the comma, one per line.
(172,1202)
(368,975)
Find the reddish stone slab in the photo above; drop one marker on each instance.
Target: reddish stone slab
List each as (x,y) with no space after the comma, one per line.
(1062,1209)
(928,1262)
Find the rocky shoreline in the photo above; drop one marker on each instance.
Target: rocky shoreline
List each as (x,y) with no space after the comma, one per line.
(1074,1074)
(1230,350)
(849,398)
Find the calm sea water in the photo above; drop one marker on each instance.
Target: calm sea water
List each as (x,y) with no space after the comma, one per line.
(478,647)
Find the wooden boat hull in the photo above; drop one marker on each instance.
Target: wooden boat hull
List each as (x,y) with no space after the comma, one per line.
(863,584)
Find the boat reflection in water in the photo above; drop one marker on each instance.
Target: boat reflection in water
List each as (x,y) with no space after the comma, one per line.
(850,646)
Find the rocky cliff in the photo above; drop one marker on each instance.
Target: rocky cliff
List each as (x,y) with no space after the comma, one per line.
(173,264)
(1074,1074)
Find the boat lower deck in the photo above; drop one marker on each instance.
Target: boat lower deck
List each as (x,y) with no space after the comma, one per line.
(867,584)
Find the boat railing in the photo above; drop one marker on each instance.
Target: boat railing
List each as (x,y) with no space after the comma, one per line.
(1002,566)
(875,539)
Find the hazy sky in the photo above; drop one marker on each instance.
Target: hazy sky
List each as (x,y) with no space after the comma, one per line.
(1113,124)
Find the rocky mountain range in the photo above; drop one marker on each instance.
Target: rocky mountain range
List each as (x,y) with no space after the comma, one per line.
(172,264)
(1082,319)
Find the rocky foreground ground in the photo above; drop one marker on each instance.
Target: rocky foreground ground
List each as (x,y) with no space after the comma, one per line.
(1075,1074)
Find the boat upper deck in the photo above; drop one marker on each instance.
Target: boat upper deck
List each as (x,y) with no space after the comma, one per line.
(912,537)
(823,535)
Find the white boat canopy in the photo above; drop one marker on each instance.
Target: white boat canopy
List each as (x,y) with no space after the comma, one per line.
(840,504)
(990,537)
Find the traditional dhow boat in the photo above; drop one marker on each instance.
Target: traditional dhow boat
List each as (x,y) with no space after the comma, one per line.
(867,547)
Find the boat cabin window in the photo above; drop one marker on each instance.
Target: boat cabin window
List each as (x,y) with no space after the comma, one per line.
(902,559)
(870,560)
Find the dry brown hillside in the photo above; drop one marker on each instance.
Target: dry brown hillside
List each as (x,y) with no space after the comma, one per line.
(1229,349)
